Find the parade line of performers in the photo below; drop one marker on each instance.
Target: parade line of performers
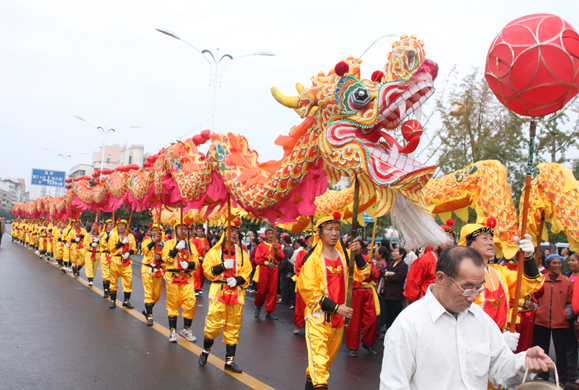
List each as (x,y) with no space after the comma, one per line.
(322,276)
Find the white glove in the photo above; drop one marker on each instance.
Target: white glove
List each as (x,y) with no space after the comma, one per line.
(228,264)
(95,239)
(231,282)
(184,264)
(512,340)
(181,245)
(94,244)
(126,240)
(526,246)
(126,256)
(67,245)
(77,239)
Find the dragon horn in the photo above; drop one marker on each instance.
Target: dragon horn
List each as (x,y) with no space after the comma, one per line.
(287,101)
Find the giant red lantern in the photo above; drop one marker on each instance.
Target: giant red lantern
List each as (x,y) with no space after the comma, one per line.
(538,64)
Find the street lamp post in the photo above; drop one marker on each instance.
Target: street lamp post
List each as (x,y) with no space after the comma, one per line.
(215,64)
(64,156)
(104,130)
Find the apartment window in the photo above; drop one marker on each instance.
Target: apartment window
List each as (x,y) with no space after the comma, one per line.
(108,158)
(130,159)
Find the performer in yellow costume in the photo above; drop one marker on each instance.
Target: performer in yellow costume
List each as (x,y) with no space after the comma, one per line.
(92,253)
(58,243)
(14,229)
(323,282)
(43,239)
(228,268)
(181,259)
(500,282)
(75,239)
(152,269)
(106,257)
(121,246)
(66,250)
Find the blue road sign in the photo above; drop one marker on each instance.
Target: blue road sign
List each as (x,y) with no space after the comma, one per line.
(367,218)
(44,177)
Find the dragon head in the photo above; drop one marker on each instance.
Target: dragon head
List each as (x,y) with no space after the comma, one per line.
(355,117)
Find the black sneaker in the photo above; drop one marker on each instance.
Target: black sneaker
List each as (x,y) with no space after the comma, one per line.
(112,305)
(233,367)
(353,353)
(203,359)
(256,312)
(270,316)
(128,305)
(370,349)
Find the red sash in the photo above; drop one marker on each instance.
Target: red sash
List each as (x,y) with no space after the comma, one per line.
(336,286)
(229,295)
(181,279)
(495,303)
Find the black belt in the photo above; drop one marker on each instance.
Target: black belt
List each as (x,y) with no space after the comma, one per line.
(105,252)
(179,271)
(153,266)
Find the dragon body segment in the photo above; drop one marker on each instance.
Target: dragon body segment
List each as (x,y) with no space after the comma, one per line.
(554,192)
(483,186)
(346,129)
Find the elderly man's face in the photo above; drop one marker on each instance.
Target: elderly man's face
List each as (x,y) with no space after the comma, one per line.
(565,252)
(485,245)
(451,295)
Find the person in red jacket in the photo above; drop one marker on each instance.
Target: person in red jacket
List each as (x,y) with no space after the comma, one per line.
(364,316)
(203,247)
(267,256)
(422,272)
(553,316)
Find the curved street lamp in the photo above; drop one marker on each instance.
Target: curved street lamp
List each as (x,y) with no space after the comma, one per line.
(215,64)
(104,130)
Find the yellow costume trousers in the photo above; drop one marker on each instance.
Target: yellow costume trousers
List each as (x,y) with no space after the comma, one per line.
(66,254)
(92,266)
(181,296)
(126,275)
(41,245)
(58,251)
(226,318)
(105,267)
(76,257)
(153,286)
(323,343)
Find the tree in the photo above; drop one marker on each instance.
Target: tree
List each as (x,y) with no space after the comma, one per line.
(476,126)
(556,136)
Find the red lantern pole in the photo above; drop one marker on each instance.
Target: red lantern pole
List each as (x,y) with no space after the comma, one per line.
(524,216)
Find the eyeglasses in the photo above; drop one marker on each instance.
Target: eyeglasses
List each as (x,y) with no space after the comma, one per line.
(469,291)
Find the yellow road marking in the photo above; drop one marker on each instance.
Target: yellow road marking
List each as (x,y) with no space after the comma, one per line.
(244,378)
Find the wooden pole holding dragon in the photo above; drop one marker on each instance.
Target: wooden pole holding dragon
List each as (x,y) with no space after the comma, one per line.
(538,251)
(354,234)
(371,253)
(524,217)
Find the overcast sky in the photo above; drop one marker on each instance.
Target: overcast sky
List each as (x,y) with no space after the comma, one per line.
(105,62)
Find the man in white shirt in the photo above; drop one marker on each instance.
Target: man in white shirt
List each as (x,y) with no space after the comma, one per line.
(444,342)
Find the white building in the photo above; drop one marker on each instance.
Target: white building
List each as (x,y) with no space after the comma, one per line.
(116,155)
(81,170)
(343,183)
(15,186)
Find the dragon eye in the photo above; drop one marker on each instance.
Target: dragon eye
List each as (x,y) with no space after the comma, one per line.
(410,60)
(359,98)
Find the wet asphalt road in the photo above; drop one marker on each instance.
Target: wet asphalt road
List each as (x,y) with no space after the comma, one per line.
(57,333)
